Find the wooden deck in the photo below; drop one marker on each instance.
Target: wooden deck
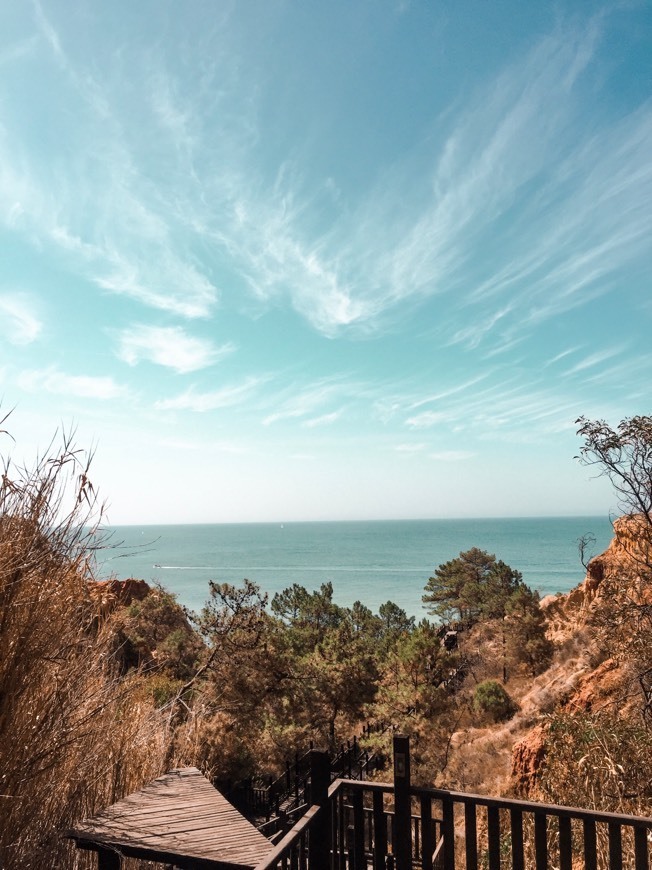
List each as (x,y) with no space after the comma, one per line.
(177,819)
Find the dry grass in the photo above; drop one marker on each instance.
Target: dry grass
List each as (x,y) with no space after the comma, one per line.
(75,736)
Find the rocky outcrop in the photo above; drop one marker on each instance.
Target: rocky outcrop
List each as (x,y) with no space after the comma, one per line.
(575,684)
(527,757)
(598,689)
(624,560)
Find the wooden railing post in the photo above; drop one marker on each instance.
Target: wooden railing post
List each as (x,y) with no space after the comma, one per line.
(402,803)
(319,843)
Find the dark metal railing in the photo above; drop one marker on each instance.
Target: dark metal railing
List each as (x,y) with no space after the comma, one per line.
(356,825)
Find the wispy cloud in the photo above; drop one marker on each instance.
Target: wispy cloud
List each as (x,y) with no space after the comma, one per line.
(99,206)
(570,206)
(52,380)
(203,446)
(531,159)
(451,391)
(427,419)
(508,406)
(410,448)
(169,346)
(451,455)
(594,359)
(193,400)
(323,420)
(297,402)
(49,32)
(562,355)
(19,323)
(18,50)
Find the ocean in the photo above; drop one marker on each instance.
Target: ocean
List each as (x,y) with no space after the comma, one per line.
(372,561)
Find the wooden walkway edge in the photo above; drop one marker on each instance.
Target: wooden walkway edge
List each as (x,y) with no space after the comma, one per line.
(177,819)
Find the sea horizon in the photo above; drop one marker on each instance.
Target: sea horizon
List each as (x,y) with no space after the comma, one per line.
(372,561)
(555,516)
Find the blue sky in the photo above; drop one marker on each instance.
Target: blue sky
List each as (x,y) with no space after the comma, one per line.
(282,260)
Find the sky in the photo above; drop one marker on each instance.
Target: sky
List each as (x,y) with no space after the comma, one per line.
(277,260)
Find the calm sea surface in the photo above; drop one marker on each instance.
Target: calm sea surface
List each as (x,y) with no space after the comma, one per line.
(370,561)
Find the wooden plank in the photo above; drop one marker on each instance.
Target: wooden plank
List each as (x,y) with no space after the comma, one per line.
(565,844)
(359,860)
(518,854)
(615,847)
(341,833)
(528,806)
(493,837)
(590,845)
(640,848)
(470,836)
(319,846)
(427,837)
(380,831)
(179,814)
(540,841)
(402,803)
(448,833)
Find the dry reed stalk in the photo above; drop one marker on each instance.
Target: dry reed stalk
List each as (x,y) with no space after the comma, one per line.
(75,736)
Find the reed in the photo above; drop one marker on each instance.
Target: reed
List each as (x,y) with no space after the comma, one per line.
(75,734)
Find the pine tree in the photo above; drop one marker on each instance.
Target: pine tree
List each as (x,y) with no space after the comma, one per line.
(471,587)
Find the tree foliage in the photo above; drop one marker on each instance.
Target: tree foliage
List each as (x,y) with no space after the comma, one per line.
(473,586)
(493,700)
(624,455)
(525,631)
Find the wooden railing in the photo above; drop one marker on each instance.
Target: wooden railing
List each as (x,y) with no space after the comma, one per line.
(357,825)
(288,791)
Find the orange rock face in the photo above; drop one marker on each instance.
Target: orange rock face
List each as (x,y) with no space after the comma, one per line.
(624,560)
(527,757)
(597,689)
(622,570)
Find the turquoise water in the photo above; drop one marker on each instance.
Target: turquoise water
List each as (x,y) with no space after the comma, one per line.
(370,561)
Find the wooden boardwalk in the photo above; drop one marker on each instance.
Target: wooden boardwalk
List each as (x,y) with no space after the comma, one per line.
(177,819)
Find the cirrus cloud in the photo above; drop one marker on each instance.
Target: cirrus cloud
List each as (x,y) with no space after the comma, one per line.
(169,346)
(52,380)
(192,400)
(18,321)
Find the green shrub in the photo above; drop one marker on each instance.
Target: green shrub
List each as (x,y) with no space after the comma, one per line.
(492,700)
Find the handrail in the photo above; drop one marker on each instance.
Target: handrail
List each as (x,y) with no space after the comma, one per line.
(283,849)
(351,825)
(503,803)
(296,838)
(534,807)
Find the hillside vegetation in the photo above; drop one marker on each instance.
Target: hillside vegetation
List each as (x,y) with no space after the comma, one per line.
(105,685)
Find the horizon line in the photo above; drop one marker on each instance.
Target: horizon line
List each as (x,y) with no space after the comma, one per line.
(283,522)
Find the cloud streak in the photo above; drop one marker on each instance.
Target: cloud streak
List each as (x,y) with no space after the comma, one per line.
(212,400)
(168,346)
(19,323)
(529,160)
(52,380)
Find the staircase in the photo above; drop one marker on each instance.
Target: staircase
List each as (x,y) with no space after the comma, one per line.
(275,807)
